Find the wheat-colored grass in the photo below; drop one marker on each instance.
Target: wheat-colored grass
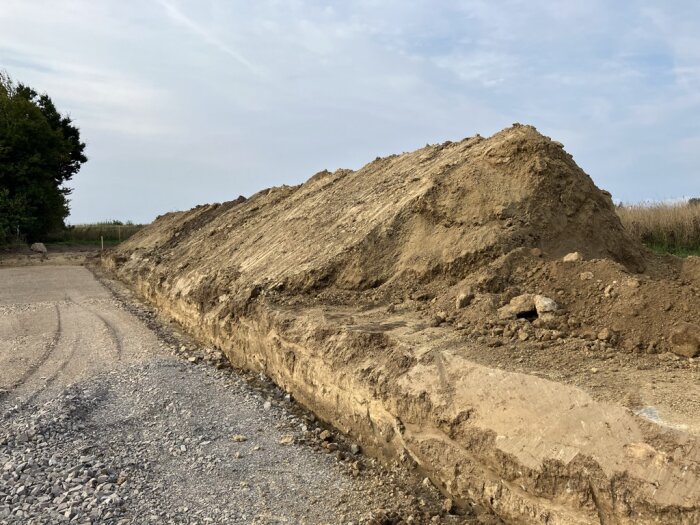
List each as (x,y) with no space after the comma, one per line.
(673,228)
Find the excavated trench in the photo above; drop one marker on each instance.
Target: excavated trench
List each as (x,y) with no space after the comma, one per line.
(280,283)
(533,450)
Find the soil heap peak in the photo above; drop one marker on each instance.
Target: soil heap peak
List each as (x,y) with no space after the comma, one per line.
(444,209)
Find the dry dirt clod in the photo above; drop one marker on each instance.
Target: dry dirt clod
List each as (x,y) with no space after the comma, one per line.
(447,505)
(287,439)
(464,299)
(685,339)
(633,283)
(610,291)
(605,334)
(518,306)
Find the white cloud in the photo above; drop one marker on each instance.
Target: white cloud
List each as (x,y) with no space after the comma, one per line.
(99,99)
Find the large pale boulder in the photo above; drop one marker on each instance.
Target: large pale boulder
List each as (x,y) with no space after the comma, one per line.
(38,247)
(545,305)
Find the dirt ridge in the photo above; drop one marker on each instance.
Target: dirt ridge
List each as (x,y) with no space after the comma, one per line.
(343,291)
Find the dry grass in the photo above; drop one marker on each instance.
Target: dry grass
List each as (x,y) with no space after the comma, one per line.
(665,228)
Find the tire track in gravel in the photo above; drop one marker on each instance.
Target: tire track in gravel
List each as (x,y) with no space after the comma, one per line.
(46,354)
(52,378)
(63,361)
(111,330)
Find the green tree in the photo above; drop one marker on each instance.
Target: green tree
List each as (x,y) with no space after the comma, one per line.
(40,151)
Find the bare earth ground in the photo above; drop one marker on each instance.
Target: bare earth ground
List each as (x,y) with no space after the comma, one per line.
(58,254)
(474,307)
(101,423)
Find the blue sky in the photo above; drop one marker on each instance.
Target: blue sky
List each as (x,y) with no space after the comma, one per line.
(184,102)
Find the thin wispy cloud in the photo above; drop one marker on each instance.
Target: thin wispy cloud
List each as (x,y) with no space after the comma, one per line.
(196,29)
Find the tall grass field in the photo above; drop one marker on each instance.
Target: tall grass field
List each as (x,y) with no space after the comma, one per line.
(665,228)
(113,232)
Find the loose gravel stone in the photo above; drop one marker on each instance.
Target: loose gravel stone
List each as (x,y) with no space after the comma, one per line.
(171,442)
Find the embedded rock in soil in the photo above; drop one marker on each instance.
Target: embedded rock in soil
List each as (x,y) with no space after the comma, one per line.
(685,339)
(520,306)
(545,305)
(572,257)
(464,299)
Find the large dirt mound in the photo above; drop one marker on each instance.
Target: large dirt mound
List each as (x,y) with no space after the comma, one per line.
(425,305)
(441,210)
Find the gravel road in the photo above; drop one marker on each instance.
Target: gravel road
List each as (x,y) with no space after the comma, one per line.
(110,415)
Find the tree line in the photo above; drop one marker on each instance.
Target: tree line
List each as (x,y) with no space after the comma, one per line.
(40,151)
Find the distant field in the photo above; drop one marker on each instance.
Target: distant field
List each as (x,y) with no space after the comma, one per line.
(112,232)
(665,228)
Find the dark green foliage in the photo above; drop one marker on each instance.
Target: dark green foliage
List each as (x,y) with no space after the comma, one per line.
(678,251)
(112,232)
(40,150)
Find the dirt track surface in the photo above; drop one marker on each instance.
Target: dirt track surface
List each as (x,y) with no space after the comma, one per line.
(59,324)
(99,423)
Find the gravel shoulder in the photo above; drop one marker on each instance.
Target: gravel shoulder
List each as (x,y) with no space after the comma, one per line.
(110,415)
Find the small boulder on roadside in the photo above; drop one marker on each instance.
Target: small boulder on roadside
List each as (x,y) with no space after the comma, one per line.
(685,339)
(573,257)
(38,247)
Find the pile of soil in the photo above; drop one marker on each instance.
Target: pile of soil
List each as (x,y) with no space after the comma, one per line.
(501,251)
(486,217)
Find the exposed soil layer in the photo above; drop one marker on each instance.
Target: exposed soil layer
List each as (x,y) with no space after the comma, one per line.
(431,306)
